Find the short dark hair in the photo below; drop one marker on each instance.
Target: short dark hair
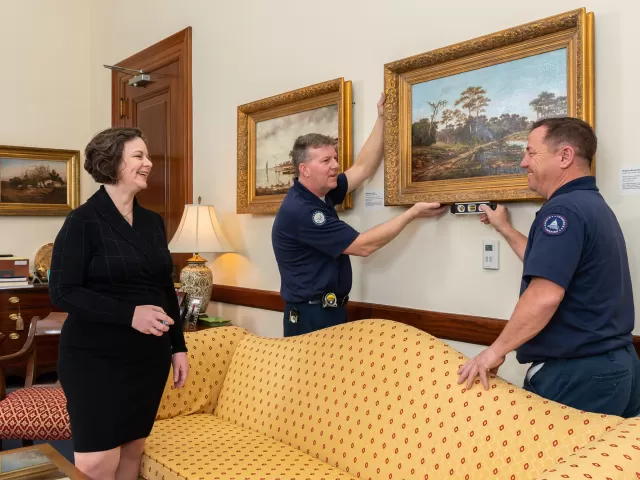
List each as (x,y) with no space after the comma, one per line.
(103,154)
(570,131)
(304,142)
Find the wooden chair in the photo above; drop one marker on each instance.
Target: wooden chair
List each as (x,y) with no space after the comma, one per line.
(43,408)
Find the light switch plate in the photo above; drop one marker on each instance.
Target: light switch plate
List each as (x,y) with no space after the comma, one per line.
(490,254)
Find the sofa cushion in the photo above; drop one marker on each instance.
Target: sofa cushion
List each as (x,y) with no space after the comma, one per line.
(210,353)
(617,450)
(380,399)
(205,447)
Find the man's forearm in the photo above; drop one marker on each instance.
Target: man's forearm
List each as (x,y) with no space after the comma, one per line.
(378,236)
(372,151)
(516,240)
(533,312)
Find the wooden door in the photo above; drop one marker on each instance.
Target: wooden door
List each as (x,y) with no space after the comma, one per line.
(162,110)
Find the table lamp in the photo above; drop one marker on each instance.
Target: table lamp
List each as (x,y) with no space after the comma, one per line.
(198,232)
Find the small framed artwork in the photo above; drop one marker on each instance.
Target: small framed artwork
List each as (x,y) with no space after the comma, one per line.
(267,130)
(26,464)
(38,181)
(457,118)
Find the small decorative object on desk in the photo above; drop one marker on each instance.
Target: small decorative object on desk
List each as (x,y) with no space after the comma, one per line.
(215,321)
(43,262)
(193,312)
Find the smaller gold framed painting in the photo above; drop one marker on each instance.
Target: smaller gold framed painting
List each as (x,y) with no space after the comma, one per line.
(457,118)
(38,181)
(267,130)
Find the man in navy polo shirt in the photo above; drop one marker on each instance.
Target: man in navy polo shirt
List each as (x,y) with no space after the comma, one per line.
(312,245)
(575,315)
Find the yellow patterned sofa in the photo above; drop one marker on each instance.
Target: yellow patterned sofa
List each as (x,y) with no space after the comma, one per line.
(373,399)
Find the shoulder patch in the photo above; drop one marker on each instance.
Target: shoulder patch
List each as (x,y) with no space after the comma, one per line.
(554,224)
(318,217)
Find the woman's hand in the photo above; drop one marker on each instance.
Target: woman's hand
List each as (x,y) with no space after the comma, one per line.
(180,368)
(151,320)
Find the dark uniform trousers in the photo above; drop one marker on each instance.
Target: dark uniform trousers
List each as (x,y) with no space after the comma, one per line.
(312,317)
(608,383)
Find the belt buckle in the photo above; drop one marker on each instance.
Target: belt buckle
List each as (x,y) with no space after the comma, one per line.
(329,300)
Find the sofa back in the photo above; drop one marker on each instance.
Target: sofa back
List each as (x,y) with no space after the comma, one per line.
(209,355)
(380,399)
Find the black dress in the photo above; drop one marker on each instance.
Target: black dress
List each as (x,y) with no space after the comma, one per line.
(102,268)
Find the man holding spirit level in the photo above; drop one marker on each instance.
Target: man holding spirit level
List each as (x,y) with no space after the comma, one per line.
(575,315)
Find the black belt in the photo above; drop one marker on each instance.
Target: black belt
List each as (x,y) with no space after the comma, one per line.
(330,300)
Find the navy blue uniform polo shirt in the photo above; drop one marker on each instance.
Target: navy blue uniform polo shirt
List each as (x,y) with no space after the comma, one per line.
(308,239)
(577,243)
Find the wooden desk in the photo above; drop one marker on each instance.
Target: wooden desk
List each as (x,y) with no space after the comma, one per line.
(29,303)
(50,464)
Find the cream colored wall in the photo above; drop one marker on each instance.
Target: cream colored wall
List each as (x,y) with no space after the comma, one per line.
(44,95)
(251,49)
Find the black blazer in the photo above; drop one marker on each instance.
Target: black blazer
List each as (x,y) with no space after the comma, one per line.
(102,268)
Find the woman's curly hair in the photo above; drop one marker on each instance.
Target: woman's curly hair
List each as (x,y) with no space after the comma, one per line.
(103,154)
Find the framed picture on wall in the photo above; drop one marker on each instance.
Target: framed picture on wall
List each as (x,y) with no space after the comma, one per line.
(38,181)
(267,130)
(457,118)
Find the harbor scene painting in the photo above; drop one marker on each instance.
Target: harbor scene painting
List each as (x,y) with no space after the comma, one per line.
(476,123)
(274,172)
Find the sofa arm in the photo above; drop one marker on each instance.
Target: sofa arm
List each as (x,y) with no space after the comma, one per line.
(614,455)
(209,354)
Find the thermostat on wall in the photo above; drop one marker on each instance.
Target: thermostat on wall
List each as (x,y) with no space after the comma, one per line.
(490,254)
(470,208)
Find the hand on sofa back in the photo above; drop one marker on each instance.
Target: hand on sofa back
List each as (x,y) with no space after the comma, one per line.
(209,354)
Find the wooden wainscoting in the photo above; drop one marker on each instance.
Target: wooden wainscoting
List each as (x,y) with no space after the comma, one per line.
(449,326)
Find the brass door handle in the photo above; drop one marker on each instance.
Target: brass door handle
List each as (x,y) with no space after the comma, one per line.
(13,316)
(14,299)
(14,336)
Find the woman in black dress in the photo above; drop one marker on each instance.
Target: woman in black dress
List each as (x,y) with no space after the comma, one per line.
(111,271)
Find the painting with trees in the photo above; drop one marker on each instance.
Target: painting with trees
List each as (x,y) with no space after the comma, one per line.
(38,181)
(457,118)
(32,182)
(476,123)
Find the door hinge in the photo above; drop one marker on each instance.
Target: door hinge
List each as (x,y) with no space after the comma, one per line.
(124,108)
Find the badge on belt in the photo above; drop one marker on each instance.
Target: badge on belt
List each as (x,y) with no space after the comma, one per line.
(329,300)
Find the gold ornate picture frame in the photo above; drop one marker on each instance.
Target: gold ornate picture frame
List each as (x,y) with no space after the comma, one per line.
(267,130)
(457,118)
(39,181)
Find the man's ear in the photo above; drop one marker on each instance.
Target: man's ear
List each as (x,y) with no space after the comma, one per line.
(568,154)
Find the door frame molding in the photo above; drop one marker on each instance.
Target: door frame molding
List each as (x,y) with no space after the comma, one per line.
(177,47)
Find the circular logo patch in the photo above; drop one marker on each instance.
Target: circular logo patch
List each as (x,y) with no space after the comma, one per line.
(554,224)
(318,218)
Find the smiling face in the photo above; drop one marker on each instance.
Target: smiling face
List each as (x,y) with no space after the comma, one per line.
(135,167)
(543,162)
(320,169)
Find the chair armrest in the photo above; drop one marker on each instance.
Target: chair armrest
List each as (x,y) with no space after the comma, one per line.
(614,455)
(28,349)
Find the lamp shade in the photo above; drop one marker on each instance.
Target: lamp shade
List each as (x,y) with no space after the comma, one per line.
(199,232)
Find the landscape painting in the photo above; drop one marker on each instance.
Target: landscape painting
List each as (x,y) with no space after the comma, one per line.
(37,181)
(457,118)
(275,139)
(267,130)
(476,123)
(33,181)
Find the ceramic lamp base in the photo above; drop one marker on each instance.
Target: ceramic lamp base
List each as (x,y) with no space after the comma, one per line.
(196,281)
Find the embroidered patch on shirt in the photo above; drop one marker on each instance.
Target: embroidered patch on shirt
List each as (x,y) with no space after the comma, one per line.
(318,218)
(554,224)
